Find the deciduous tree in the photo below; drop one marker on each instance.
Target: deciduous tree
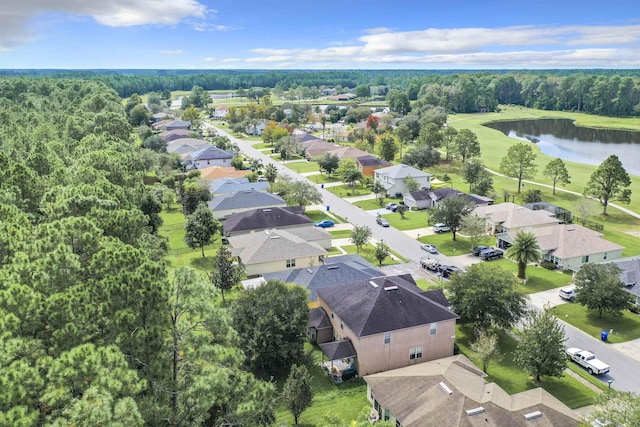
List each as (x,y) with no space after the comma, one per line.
(381,252)
(201,227)
(422,156)
(609,182)
(525,249)
(387,147)
(411,184)
(557,172)
(380,192)
(540,350)
(486,348)
(518,163)
(474,227)
(599,288)
(297,393)
(348,171)
(466,145)
(616,408)
(360,235)
(451,210)
(329,163)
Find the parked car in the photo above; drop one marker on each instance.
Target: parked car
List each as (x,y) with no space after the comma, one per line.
(325,223)
(432,249)
(392,207)
(441,228)
(476,251)
(587,360)
(383,222)
(429,263)
(568,293)
(489,254)
(447,270)
(262,178)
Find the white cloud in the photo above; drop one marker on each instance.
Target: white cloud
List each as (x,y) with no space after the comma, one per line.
(377,30)
(172,52)
(208,59)
(507,47)
(231,60)
(16,15)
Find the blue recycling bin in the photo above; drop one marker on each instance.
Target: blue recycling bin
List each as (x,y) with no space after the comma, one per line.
(328,208)
(604,335)
(321,185)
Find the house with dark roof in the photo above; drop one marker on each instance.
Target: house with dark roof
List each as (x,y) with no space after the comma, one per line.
(242,201)
(285,218)
(384,323)
(178,124)
(235,185)
(427,199)
(316,149)
(275,250)
(172,135)
(453,392)
(336,271)
(630,276)
(369,163)
(208,155)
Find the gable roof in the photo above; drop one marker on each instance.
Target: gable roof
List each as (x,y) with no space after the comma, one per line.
(314,148)
(334,272)
(395,302)
(511,215)
(630,274)
(350,152)
(178,123)
(208,152)
(272,245)
(245,199)
(235,185)
(338,349)
(216,172)
(402,171)
(185,145)
(572,240)
(318,318)
(171,135)
(370,160)
(261,219)
(414,394)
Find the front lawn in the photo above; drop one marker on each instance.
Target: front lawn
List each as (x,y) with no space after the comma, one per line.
(317,216)
(367,252)
(370,204)
(625,328)
(302,167)
(514,380)
(340,234)
(323,178)
(349,191)
(411,221)
(447,246)
(538,278)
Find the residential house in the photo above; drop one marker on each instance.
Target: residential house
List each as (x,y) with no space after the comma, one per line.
(427,199)
(161,125)
(205,156)
(216,172)
(385,323)
(264,219)
(235,185)
(172,135)
(569,246)
(275,250)
(157,117)
(186,145)
(256,129)
(453,392)
(630,276)
(344,152)
(242,201)
(369,163)
(509,218)
(316,149)
(336,271)
(561,213)
(178,124)
(393,178)
(221,112)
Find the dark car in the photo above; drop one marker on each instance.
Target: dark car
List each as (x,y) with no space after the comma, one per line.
(447,270)
(489,254)
(383,222)
(478,249)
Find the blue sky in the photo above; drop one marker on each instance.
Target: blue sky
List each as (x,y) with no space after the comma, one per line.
(328,34)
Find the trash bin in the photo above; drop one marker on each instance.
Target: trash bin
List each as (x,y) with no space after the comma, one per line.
(321,185)
(328,207)
(604,335)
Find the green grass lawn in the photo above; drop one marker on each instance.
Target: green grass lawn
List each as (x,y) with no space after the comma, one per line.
(625,328)
(411,220)
(261,145)
(334,251)
(341,234)
(323,178)
(513,380)
(317,216)
(348,191)
(447,246)
(343,401)
(371,204)
(426,285)
(367,252)
(302,167)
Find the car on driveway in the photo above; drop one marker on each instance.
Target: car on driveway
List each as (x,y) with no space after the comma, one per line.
(489,254)
(587,360)
(325,223)
(568,293)
(432,249)
(441,228)
(447,270)
(383,222)
(392,207)
(476,251)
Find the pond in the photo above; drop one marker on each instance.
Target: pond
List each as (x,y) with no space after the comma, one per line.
(561,138)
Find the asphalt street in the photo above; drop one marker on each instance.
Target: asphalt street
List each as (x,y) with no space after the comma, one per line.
(625,372)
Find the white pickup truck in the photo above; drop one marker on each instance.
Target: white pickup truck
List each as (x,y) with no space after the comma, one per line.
(587,360)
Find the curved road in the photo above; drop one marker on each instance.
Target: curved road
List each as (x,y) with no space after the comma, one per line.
(625,372)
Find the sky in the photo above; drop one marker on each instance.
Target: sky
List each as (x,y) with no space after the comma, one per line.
(327,34)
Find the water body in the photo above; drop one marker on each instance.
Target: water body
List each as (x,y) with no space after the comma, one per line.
(561,138)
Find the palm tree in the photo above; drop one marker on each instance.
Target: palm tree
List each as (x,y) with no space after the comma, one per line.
(525,249)
(270,173)
(256,164)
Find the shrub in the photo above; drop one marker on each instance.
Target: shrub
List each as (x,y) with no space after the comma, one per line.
(548,265)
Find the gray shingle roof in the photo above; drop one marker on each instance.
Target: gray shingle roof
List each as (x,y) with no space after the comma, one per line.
(402,171)
(630,275)
(245,199)
(235,185)
(210,152)
(261,219)
(393,303)
(338,349)
(185,145)
(335,272)
(371,161)
(318,318)
(272,245)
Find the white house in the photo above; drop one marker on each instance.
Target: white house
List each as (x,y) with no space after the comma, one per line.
(393,178)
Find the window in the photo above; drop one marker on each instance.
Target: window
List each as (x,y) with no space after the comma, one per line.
(387,337)
(604,256)
(434,328)
(415,353)
(332,316)
(585,258)
(291,263)
(341,324)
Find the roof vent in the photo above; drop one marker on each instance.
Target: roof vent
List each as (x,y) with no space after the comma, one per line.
(309,271)
(266,210)
(475,411)
(571,229)
(532,415)
(333,267)
(372,283)
(274,237)
(390,288)
(446,389)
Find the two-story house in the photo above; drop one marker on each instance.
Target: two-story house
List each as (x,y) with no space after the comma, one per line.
(383,323)
(393,178)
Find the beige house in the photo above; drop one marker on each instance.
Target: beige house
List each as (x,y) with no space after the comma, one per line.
(275,250)
(511,218)
(452,392)
(383,323)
